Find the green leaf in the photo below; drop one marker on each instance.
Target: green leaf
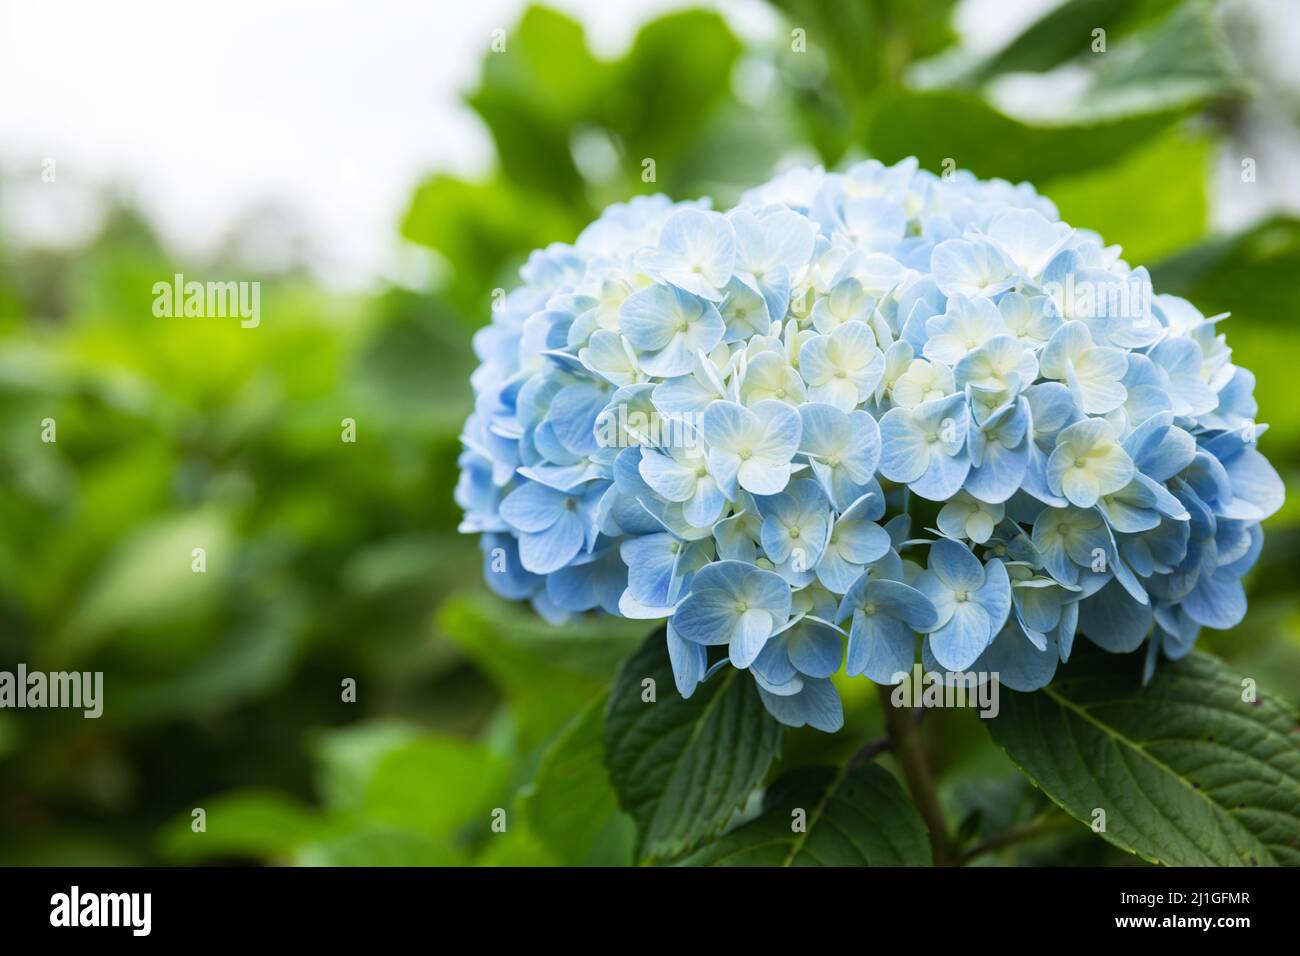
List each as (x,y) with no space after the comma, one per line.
(1249,274)
(548,673)
(1064,32)
(854,817)
(666,88)
(149,582)
(378,846)
(682,767)
(251,824)
(1141,88)
(1153,202)
(570,805)
(1184,57)
(937,125)
(835,86)
(482,228)
(517,846)
(532,92)
(346,759)
(435,786)
(1186,771)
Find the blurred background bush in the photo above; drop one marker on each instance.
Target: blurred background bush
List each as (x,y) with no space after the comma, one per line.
(329,560)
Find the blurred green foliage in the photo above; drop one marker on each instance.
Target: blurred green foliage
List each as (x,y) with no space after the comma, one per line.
(328,561)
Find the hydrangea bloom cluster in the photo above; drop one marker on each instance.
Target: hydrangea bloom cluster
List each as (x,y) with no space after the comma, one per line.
(856,413)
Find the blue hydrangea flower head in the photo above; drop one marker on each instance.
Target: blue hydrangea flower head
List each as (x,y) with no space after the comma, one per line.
(731,423)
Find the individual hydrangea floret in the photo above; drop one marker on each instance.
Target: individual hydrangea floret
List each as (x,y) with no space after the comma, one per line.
(857,419)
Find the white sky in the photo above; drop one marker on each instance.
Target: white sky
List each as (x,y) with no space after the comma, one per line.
(204,109)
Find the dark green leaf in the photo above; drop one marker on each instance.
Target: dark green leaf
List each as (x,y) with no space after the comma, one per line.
(682,767)
(1186,772)
(570,804)
(820,816)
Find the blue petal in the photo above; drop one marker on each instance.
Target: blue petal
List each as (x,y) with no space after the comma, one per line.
(533,507)
(650,560)
(902,602)
(1017,663)
(816,649)
(597,582)
(689,662)
(995,595)
(944,477)
(1217,601)
(960,642)
(880,647)
(1113,621)
(750,633)
(706,617)
(905,451)
(956,566)
(552,549)
(816,705)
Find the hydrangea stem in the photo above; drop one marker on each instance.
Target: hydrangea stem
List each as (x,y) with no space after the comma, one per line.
(905,741)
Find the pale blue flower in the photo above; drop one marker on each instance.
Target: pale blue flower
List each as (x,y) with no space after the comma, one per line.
(971,600)
(735,604)
(848,302)
(723,424)
(668,326)
(974,267)
(796,524)
(1069,539)
(886,615)
(1003,364)
(966,517)
(553,526)
(925,447)
(844,367)
(855,541)
(696,253)
(1031,319)
(681,474)
(1088,462)
(843,450)
(966,325)
(751,447)
(770,376)
(1093,373)
(922,381)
